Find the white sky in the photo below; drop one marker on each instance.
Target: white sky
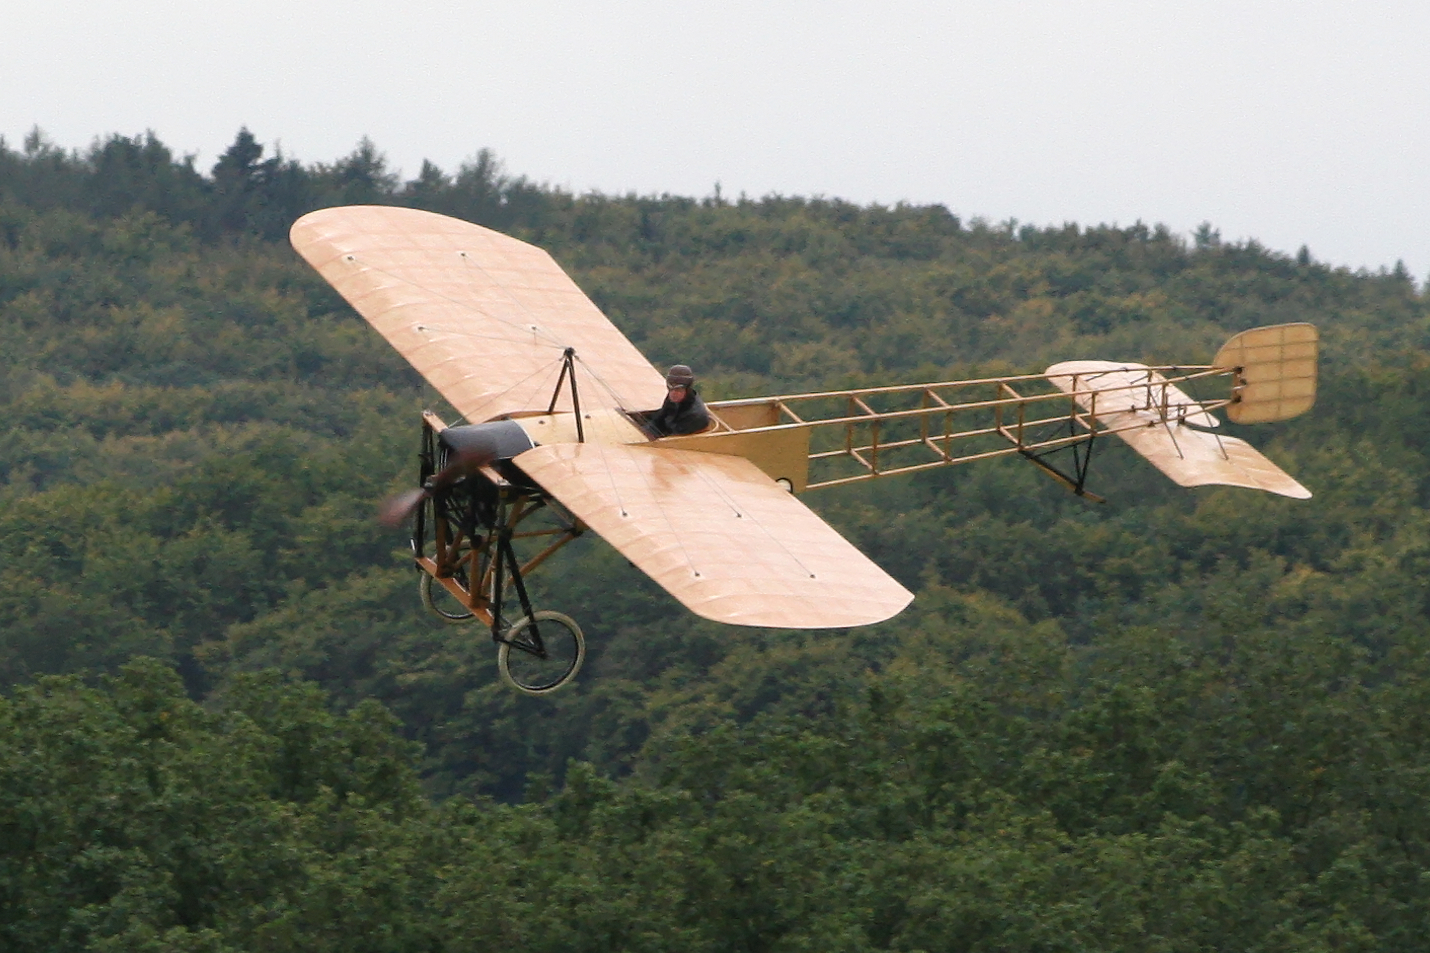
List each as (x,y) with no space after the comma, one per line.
(1290,122)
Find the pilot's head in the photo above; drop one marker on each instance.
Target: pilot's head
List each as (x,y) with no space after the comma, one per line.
(678,381)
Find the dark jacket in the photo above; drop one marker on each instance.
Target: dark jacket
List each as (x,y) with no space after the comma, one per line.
(674,420)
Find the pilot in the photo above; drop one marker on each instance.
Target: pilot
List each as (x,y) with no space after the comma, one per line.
(683,411)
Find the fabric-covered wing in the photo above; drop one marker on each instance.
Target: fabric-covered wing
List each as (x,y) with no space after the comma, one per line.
(482,316)
(718,534)
(1187,455)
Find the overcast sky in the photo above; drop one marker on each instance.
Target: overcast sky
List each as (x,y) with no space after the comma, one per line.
(1289,122)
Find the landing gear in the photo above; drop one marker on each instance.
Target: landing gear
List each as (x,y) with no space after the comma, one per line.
(542,652)
(463,543)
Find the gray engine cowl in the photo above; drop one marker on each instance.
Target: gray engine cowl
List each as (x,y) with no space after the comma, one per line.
(493,440)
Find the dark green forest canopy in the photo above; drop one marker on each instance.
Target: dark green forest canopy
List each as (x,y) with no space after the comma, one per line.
(1182,720)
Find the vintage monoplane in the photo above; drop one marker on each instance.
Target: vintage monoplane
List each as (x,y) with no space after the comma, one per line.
(556,402)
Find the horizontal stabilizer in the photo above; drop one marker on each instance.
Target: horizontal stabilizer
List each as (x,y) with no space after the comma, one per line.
(718,534)
(1192,457)
(1153,418)
(1127,387)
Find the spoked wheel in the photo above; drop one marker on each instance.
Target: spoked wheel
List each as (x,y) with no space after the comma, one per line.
(442,603)
(537,666)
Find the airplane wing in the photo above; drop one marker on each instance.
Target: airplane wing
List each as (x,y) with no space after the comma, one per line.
(1156,418)
(484,317)
(718,534)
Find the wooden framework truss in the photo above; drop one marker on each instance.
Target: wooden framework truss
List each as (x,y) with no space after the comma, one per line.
(864,433)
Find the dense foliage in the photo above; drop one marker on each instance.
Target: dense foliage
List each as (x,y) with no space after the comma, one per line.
(1182,720)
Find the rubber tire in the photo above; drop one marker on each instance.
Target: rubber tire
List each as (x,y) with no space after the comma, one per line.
(545,615)
(424,588)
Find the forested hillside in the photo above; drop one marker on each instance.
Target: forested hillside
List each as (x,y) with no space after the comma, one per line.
(1182,720)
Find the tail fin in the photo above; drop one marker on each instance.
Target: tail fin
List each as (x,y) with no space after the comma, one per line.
(1275,371)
